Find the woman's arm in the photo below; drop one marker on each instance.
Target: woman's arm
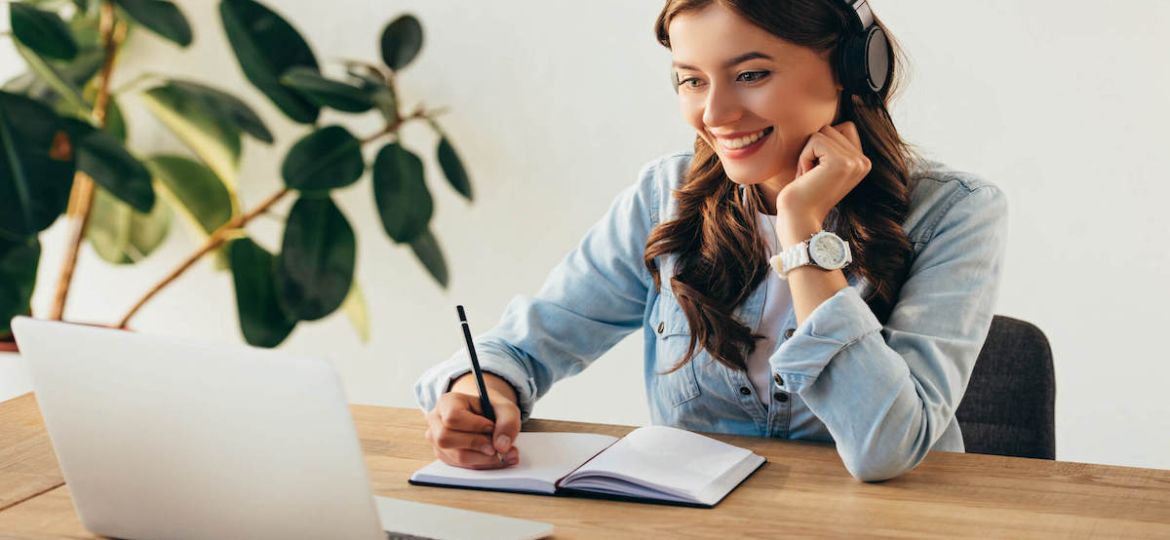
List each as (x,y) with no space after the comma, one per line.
(887,393)
(592,299)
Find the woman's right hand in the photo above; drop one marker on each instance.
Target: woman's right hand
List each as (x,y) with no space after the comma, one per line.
(462,437)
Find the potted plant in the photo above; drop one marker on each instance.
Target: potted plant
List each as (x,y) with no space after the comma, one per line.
(63,151)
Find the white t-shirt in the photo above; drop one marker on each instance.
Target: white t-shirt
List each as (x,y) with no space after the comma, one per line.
(777,302)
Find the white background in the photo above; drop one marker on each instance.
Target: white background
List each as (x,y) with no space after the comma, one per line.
(555,105)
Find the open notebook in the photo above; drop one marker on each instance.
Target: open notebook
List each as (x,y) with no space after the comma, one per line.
(651,464)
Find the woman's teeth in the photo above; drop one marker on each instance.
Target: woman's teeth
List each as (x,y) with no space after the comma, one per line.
(736,144)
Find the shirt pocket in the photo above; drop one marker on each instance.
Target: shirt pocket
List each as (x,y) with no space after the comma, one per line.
(681,385)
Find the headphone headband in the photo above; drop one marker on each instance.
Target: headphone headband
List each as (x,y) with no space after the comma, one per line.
(862,10)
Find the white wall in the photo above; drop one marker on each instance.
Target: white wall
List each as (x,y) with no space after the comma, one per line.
(554,109)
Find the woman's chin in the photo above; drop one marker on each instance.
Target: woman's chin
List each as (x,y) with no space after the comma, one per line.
(746,178)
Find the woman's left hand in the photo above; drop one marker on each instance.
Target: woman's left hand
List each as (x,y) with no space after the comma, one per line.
(830,166)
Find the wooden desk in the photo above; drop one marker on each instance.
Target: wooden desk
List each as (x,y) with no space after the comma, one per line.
(803,490)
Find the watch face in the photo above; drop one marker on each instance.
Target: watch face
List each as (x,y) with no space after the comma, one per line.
(828,251)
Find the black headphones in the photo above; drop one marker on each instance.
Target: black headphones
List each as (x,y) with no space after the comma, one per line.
(862,59)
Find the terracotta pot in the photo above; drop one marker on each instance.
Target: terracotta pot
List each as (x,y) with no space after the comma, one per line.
(8,346)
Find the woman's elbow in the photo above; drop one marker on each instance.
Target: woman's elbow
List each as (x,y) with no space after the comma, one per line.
(878,466)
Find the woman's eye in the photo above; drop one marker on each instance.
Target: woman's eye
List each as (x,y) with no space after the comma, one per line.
(690,82)
(752,76)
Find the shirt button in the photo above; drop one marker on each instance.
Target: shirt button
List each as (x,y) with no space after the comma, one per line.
(661,327)
(745,390)
(781,397)
(788,333)
(779,380)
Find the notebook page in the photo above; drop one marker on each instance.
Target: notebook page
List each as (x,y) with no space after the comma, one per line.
(544,459)
(668,460)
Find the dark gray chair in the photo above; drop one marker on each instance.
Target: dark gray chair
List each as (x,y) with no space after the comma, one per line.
(1009,406)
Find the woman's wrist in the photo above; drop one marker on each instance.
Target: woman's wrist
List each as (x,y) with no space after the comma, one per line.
(466,385)
(794,229)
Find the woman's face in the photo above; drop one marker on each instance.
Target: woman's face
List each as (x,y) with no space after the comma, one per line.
(753,97)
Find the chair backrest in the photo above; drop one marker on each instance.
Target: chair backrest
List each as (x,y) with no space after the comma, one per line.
(1009,406)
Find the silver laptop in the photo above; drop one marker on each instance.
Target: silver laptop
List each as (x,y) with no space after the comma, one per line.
(160,437)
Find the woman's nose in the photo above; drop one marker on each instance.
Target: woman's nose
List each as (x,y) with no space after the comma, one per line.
(722,106)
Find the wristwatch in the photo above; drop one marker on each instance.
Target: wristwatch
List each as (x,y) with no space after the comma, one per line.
(824,250)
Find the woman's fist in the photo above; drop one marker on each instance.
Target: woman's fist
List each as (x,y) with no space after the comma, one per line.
(462,437)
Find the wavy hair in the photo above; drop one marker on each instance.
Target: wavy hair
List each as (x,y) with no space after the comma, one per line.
(721,251)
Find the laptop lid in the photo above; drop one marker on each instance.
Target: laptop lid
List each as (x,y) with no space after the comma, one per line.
(162,437)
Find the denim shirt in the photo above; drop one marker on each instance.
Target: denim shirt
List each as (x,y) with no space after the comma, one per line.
(885,394)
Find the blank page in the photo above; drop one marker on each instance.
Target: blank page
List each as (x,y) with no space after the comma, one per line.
(544,459)
(672,461)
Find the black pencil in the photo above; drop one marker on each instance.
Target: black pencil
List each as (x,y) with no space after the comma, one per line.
(484,402)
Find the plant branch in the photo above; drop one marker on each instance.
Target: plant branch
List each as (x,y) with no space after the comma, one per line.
(214,241)
(81,197)
(221,235)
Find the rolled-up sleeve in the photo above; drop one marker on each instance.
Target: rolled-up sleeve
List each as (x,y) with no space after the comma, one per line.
(886,393)
(592,299)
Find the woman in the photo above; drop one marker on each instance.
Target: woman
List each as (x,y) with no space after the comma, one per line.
(867,339)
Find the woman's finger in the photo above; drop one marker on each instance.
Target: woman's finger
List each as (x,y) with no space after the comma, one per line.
(469,459)
(455,413)
(449,439)
(812,152)
(850,134)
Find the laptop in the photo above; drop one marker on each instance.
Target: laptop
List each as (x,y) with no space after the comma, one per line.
(161,437)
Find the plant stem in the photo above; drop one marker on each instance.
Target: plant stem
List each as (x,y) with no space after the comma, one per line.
(81,197)
(393,128)
(216,239)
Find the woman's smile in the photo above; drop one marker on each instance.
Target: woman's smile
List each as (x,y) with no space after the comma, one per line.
(741,145)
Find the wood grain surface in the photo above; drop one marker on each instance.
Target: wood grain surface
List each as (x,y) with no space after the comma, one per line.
(803,490)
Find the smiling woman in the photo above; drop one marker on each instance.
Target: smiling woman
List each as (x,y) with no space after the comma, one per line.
(800,274)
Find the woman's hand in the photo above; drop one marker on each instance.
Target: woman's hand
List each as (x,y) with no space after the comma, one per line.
(462,437)
(830,166)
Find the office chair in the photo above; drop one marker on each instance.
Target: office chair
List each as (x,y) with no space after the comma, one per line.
(1009,406)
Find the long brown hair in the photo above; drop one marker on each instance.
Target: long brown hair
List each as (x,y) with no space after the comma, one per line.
(722,254)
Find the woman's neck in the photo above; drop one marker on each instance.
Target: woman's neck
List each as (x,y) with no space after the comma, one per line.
(770,189)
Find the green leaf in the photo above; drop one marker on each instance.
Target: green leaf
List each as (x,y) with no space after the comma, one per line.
(18,278)
(104,159)
(36,166)
(453,168)
(356,312)
(426,249)
(400,192)
(200,194)
(116,122)
(328,158)
(227,107)
(266,46)
(215,140)
(401,41)
(161,17)
(326,92)
(202,198)
(42,31)
(55,80)
(119,234)
(262,321)
(317,257)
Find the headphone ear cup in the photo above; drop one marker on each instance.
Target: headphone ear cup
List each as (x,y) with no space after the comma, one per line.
(863,62)
(850,70)
(877,60)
